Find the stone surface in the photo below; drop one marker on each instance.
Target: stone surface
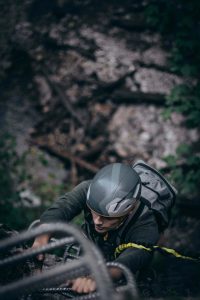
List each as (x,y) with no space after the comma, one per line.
(141,132)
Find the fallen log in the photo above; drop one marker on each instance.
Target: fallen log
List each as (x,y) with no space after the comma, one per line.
(97,146)
(57,89)
(125,96)
(154,66)
(56,150)
(137,22)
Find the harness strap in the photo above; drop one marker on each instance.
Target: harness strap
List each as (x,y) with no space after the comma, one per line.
(163,250)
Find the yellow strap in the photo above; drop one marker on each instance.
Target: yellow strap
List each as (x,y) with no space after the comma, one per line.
(123,247)
(174,253)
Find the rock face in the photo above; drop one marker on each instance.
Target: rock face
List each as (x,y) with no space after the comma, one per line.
(141,132)
(98,56)
(93,82)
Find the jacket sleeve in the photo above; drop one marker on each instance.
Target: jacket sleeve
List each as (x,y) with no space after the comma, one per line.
(68,206)
(143,232)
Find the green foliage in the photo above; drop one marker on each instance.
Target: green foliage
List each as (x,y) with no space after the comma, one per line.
(178,23)
(48,191)
(186,99)
(12,174)
(43,160)
(186,175)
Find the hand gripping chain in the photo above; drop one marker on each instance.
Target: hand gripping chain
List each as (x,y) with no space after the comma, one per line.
(128,289)
(90,262)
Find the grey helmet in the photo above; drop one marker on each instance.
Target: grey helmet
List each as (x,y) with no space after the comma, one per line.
(114,190)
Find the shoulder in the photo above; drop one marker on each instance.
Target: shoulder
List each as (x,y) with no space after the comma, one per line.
(146,219)
(83,185)
(81,188)
(145,229)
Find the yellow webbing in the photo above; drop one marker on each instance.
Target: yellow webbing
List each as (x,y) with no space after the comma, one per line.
(175,253)
(123,247)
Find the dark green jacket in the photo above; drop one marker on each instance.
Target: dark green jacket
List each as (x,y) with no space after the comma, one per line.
(143,230)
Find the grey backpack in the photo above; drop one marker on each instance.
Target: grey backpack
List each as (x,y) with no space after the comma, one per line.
(156,192)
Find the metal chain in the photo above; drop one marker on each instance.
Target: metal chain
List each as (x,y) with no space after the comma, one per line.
(91,261)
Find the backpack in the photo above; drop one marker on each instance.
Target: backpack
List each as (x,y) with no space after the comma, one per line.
(156,192)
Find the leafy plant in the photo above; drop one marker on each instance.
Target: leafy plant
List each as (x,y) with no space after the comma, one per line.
(186,99)
(13,177)
(12,174)
(178,23)
(185,171)
(179,26)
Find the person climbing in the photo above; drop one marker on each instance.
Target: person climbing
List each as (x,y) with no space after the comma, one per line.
(122,215)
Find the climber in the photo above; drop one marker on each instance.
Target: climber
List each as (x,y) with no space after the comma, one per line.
(115,217)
